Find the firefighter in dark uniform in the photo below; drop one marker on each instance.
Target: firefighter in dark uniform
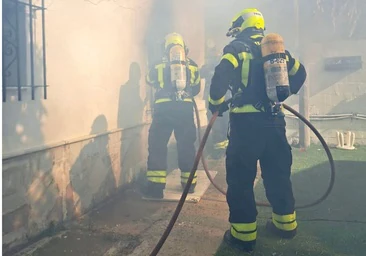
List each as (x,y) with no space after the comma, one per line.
(257,132)
(176,80)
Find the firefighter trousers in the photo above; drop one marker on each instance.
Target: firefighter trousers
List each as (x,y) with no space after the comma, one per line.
(169,117)
(253,137)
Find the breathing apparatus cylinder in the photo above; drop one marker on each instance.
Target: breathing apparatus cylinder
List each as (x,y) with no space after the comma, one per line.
(275,68)
(178,69)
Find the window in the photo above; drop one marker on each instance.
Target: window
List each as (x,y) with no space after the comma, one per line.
(24,49)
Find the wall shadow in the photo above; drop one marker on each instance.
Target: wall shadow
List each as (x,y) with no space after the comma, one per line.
(32,205)
(91,176)
(130,104)
(131,119)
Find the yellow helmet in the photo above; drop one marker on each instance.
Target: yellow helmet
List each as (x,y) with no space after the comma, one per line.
(173,38)
(248,18)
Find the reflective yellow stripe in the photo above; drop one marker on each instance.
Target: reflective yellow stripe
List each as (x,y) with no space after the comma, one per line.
(244,237)
(244,231)
(163,100)
(245,227)
(245,57)
(160,68)
(185,175)
(160,173)
(156,176)
(216,102)
(284,218)
(157,179)
(231,58)
(285,222)
(148,79)
(245,109)
(192,69)
(185,180)
(196,82)
(286,226)
(256,36)
(295,68)
(222,144)
(170,100)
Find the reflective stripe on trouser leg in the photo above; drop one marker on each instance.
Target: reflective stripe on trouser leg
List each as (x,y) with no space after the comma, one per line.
(156,176)
(245,232)
(285,222)
(159,134)
(185,175)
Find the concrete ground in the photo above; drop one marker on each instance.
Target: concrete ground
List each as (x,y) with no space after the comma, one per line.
(128,225)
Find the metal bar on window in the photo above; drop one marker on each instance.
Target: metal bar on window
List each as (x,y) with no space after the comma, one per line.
(17,49)
(35,7)
(24,86)
(3,59)
(44,52)
(4,86)
(31,47)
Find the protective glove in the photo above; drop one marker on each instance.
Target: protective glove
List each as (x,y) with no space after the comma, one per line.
(223,107)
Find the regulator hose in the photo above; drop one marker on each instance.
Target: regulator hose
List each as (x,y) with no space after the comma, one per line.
(199,156)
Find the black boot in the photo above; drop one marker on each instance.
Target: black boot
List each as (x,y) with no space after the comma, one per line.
(238,244)
(154,190)
(270,226)
(191,188)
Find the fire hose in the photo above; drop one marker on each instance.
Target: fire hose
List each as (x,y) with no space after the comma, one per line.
(199,156)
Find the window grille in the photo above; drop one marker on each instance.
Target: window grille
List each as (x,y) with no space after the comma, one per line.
(24,47)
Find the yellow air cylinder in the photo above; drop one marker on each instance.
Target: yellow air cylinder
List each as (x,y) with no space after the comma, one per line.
(275,68)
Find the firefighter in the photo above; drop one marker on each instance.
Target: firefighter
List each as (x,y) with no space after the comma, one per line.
(257,132)
(176,79)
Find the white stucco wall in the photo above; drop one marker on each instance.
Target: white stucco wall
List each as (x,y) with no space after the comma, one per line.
(64,155)
(90,48)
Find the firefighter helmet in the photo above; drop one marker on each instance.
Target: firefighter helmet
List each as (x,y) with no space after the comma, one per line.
(248,18)
(174,39)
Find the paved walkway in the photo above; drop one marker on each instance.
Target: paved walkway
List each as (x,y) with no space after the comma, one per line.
(128,225)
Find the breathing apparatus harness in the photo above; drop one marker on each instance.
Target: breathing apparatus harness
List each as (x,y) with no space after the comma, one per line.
(177,72)
(246,94)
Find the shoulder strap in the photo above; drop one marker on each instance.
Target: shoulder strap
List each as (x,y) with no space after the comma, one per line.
(253,47)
